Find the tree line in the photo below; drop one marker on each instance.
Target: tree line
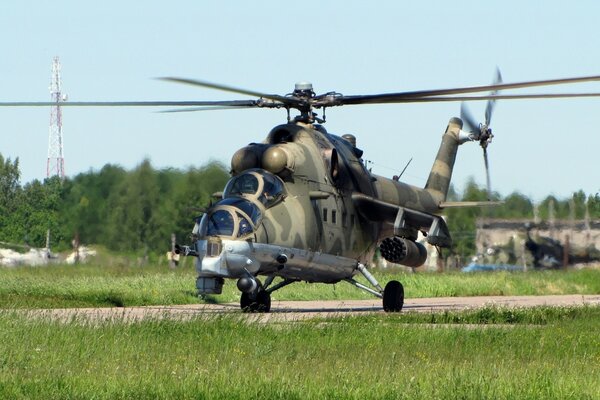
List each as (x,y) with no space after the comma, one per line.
(130,211)
(139,209)
(462,221)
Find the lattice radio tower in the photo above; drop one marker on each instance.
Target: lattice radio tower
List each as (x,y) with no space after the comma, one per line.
(56,160)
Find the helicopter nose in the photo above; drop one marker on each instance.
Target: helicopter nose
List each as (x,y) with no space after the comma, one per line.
(234,260)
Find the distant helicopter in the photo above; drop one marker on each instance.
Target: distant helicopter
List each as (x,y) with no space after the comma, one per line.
(302,206)
(549,253)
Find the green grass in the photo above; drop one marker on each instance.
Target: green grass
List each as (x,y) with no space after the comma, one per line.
(94,286)
(121,285)
(549,353)
(501,283)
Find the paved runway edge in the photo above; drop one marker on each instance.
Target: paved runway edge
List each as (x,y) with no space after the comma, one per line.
(301,310)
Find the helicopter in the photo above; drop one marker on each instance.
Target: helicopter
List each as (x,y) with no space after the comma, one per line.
(549,253)
(302,205)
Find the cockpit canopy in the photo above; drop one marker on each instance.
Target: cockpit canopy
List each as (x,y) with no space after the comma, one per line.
(233,217)
(256,184)
(239,213)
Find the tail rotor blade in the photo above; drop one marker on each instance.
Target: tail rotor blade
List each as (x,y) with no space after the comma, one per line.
(487,174)
(468,119)
(489,109)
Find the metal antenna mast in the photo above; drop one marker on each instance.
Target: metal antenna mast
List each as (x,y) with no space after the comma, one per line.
(56,160)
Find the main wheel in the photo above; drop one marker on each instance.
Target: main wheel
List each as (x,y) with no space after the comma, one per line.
(256,302)
(393,297)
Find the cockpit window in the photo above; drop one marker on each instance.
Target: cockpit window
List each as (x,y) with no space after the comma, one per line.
(272,190)
(246,206)
(220,223)
(256,184)
(232,217)
(242,184)
(245,227)
(239,213)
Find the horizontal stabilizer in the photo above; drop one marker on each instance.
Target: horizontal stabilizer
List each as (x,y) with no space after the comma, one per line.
(463,204)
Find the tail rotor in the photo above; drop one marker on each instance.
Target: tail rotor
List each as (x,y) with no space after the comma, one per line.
(482,131)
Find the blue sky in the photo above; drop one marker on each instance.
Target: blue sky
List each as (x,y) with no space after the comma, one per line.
(113,50)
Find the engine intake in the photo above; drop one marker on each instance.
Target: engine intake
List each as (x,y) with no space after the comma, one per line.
(398,250)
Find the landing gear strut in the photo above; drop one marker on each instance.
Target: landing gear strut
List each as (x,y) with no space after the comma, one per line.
(392,295)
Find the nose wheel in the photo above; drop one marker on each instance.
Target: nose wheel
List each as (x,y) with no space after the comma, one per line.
(260,301)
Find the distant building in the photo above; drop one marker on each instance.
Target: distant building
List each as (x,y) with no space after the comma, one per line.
(492,232)
(504,240)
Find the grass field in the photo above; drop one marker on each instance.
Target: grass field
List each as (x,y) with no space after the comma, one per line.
(550,353)
(543,353)
(118,285)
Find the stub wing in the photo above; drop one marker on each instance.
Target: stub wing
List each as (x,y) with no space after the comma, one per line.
(407,222)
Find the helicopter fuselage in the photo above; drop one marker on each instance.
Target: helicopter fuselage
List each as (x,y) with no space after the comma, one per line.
(303,206)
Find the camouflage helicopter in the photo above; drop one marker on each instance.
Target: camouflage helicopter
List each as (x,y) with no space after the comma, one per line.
(302,206)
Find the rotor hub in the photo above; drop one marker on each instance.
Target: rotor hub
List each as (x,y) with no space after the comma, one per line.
(485,136)
(303,86)
(304,90)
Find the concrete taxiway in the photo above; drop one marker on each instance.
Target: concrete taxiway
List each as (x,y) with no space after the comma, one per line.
(301,310)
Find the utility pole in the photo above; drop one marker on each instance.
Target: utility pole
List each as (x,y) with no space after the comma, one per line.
(56,160)
(174,258)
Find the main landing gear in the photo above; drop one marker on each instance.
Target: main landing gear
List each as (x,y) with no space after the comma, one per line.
(392,295)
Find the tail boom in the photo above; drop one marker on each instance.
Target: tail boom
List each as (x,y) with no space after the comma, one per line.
(438,182)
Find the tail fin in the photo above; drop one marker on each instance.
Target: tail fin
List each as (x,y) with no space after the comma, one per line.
(441,172)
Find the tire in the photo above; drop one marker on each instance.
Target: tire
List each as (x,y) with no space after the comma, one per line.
(263,299)
(256,302)
(246,302)
(393,297)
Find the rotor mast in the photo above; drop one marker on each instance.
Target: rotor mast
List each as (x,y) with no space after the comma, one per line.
(303,91)
(56,161)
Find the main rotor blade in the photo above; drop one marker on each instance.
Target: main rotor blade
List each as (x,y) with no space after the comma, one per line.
(256,103)
(228,103)
(473,98)
(471,125)
(217,86)
(206,109)
(400,96)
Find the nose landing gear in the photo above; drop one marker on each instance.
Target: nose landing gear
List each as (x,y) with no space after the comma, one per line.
(258,301)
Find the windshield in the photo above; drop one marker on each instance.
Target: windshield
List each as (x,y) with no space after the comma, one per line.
(247,207)
(220,223)
(257,184)
(233,217)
